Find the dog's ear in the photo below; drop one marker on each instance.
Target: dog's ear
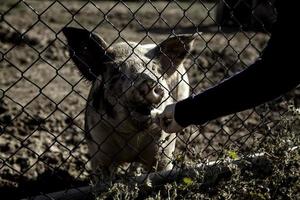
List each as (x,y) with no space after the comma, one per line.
(88,51)
(172,52)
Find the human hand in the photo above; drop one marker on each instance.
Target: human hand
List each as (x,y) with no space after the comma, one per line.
(167,120)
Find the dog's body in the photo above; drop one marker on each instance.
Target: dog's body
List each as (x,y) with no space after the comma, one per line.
(129,82)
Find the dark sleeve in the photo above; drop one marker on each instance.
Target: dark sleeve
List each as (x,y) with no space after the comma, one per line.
(274,74)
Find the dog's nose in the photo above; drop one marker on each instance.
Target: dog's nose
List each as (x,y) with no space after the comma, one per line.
(152,92)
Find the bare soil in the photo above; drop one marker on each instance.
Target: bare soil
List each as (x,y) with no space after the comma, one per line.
(43,97)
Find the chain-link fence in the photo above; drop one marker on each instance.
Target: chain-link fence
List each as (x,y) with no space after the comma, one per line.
(77,107)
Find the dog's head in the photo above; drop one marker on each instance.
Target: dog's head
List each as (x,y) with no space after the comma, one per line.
(129,79)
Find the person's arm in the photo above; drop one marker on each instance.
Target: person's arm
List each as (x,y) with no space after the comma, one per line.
(276,73)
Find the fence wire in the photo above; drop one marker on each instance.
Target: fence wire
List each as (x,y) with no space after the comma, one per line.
(49,123)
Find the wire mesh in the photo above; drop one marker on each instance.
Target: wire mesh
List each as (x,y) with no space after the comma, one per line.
(44,99)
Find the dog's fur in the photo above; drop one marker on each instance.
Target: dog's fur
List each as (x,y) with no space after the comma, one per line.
(124,79)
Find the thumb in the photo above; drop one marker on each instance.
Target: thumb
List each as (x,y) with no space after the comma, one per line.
(169,111)
(166,125)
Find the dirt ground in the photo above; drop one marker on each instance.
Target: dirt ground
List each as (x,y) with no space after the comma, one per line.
(42,98)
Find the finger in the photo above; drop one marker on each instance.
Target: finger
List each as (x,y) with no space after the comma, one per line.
(168,112)
(155,117)
(161,122)
(170,127)
(159,119)
(163,118)
(165,123)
